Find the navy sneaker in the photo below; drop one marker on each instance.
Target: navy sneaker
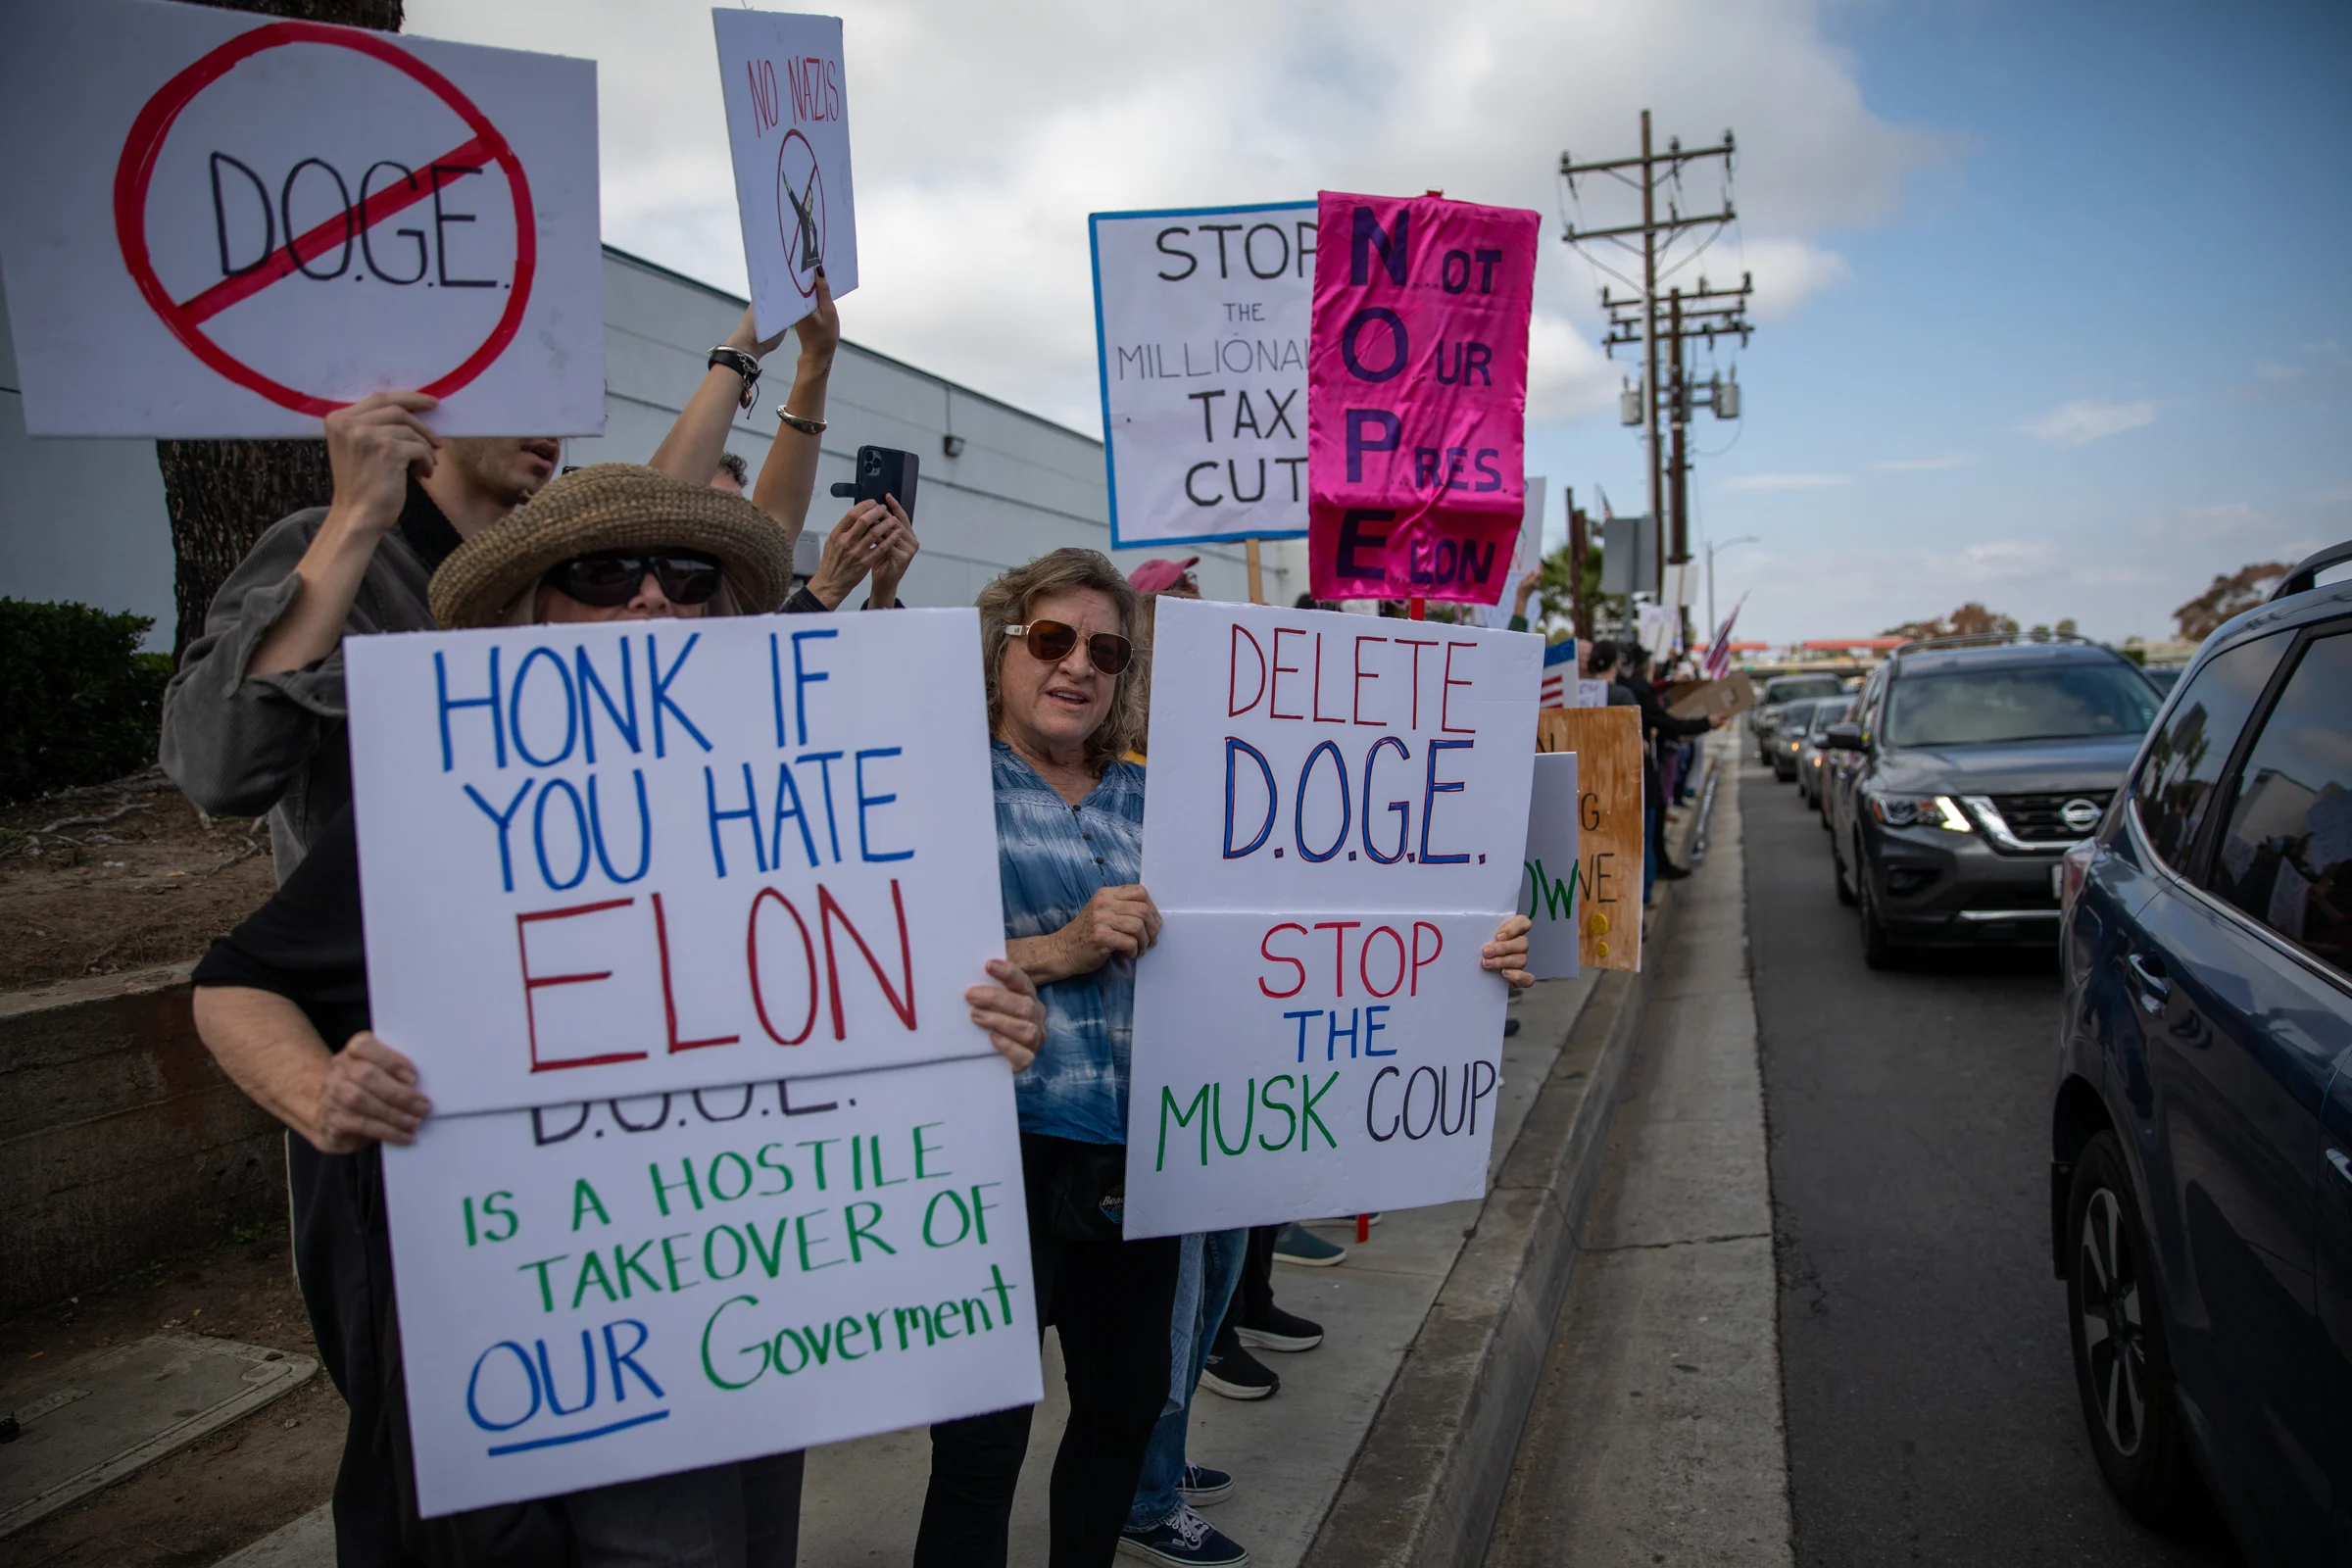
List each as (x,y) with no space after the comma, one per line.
(1184,1539)
(1203,1486)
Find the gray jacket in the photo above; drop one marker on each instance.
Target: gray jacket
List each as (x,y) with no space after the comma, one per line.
(241,745)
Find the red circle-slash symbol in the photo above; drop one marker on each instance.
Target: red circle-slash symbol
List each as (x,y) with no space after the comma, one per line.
(801,210)
(186,317)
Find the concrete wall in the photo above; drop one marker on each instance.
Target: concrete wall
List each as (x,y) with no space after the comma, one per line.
(84,519)
(121,1141)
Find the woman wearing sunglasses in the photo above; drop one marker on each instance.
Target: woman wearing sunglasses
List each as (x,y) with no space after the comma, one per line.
(612,542)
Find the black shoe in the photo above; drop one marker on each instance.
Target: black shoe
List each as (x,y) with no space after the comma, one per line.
(1277,1330)
(1235,1374)
(1510,1027)
(1668,871)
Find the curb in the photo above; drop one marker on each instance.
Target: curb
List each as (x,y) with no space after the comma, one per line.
(1427,1483)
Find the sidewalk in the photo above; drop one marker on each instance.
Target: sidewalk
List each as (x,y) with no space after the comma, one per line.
(1435,1334)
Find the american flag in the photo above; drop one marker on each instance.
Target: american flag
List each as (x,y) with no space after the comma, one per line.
(1560,669)
(1719,652)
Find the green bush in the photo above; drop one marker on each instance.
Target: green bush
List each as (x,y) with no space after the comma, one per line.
(79,703)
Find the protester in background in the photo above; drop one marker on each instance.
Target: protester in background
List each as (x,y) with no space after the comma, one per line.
(611,542)
(1171,577)
(1526,591)
(1658,727)
(253,720)
(1162,1524)
(734,475)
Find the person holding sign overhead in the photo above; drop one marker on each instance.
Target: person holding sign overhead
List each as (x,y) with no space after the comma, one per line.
(273,993)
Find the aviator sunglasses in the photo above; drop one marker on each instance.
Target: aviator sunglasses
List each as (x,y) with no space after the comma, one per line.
(606,580)
(1050,642)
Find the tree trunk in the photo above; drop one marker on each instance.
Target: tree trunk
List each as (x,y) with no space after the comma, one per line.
(221,494)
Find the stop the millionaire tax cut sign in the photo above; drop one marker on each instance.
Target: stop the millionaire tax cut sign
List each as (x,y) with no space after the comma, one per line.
(220,224)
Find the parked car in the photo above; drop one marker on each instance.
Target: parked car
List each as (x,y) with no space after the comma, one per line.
(2164,678)
(1788,735)
(1979,760)
(2201,1141)
(1812,751)
(1778,693)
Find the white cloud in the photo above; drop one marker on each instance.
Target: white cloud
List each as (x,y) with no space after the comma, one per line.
(1785,481)
(2085,420)
(1950,460)
(985,132)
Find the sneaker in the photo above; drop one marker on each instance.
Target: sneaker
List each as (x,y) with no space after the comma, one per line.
(1234,1372)
(1668,871)
(1203,1486)
(1277,1330)
(1510,1027)
(1303,1247)
(1184,1539)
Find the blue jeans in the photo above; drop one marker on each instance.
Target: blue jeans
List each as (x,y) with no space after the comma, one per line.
(1654,847)
(1211,1267)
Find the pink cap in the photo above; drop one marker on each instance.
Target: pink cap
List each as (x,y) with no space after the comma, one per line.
(1158,577)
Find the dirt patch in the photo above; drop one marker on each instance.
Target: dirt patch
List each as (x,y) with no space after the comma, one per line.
(235,1485)
(121,876)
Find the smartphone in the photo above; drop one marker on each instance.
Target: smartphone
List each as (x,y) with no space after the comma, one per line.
(884,471)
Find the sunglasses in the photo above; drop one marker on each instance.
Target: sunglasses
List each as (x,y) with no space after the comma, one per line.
(606,580)
(1050,642)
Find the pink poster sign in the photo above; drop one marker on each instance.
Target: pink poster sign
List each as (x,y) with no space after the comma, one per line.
(1416,400)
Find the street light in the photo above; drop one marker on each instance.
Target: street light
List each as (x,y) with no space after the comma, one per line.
(1743,539)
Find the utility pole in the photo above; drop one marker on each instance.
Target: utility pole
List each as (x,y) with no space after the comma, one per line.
(1578,617)
(1662,405)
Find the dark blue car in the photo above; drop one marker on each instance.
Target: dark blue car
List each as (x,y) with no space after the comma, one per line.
(2202,1173)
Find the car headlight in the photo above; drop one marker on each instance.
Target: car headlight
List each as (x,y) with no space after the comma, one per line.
(1917,810)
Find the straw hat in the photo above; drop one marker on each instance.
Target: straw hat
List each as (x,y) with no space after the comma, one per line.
(608,507)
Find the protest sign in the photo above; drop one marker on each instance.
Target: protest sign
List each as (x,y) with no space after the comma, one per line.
(1304,758)
(1727,698)
(237,226)
(1611,835)
(1591,694)
(1200,332)
(1310,1063)
(1418,401)
(1549,881)
(1335,827)
(640,857)
(599,1292)
(787,99)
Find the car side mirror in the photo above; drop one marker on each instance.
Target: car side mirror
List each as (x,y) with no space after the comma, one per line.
(1844,737)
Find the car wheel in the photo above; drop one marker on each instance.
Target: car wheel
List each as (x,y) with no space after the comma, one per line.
(1877,949)
(2123,1363)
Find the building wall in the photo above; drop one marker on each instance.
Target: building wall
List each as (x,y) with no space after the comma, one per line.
(84,519)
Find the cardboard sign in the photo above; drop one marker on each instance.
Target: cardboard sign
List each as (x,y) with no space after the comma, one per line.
(1417,409)
(1308,759)
(1549,877)
(1611,837)
(1334,826)
(1308,1064)
(237,226)
(1716,699)
(641,858)
(1200,336)
(596,1293)
(788,127)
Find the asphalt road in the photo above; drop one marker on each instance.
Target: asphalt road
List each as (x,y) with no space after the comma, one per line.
(1928,1388)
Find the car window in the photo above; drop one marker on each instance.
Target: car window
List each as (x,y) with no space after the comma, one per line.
(2286,858)
(1786,688)
(2187,758)
(2028,703)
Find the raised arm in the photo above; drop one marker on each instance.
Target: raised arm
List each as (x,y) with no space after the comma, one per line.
(690,451)
(788,478)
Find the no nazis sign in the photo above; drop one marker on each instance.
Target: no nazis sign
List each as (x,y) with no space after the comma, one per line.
(247,225)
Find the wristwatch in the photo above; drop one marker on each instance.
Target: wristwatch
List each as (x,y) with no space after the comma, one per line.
(742,365)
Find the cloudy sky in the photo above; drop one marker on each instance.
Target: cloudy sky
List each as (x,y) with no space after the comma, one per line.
(2045,293)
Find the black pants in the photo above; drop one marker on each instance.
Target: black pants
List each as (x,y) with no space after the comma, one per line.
(1111,1302)
(1255,1295)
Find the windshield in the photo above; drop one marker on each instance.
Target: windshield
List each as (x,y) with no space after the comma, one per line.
(1784,688)
(1987,707)
(1828,713)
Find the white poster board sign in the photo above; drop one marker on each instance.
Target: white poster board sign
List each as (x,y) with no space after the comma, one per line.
(648,856)
(1549,879)
(236,226)
(1201,335)
(1335,825)
(601,1292)
(788,127)
(1527,550)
